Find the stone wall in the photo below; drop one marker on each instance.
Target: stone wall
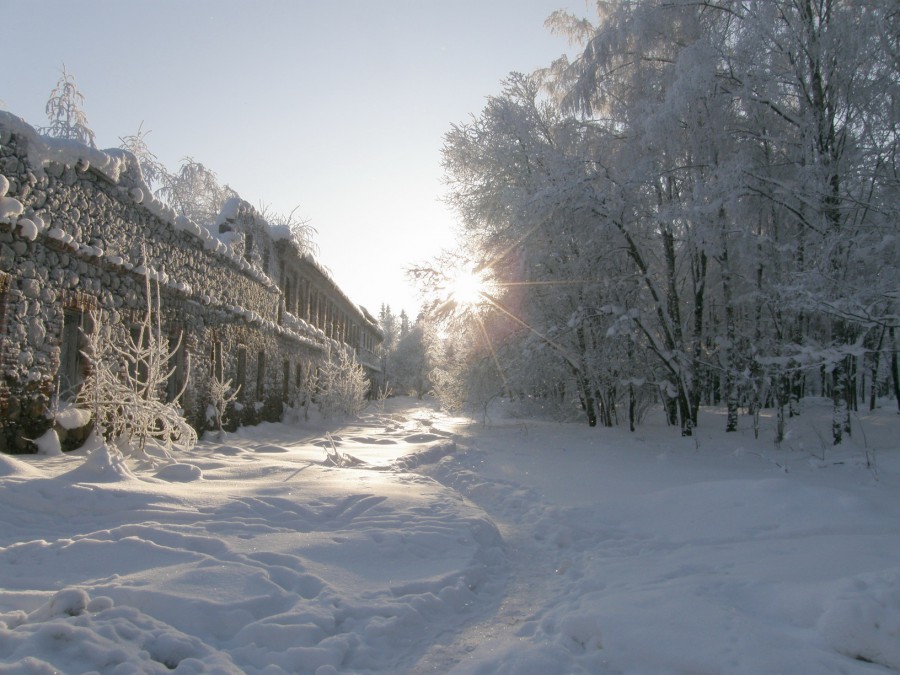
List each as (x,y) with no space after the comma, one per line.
(79,230)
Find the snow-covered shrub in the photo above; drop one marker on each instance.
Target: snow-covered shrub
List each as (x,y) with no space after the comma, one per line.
(342,385)
(126,385)
(221,395)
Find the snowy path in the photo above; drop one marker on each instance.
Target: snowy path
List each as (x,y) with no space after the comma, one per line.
(537,556)
(527,572)
(653,554)
(523,547)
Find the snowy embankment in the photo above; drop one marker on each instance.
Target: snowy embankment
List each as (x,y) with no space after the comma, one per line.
(519,547)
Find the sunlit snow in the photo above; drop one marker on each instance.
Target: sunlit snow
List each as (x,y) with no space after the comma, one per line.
(515,546)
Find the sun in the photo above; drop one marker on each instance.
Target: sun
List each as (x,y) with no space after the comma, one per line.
(467,288)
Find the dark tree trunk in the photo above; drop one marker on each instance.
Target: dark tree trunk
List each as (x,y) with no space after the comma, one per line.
(588,404)
(895,370)
(631,406)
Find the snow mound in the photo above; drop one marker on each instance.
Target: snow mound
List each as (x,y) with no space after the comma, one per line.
(75,634)
(422,438)
(863,620)
(10,466)
(48,443)
(10,209)
(71,417)
(27,229)
(102,465)
(270,449)
(67,602)
(180,473)
(580,632)
(430,455)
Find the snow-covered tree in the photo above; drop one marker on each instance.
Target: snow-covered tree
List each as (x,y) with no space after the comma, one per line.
(404,324)
(222,394)
(410,362)
(194,191)
(342,385)
(299,230)
(387,321)
(66,112)
(698,204)
(152,169)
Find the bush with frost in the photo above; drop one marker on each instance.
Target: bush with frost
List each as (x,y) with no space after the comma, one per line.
(126,384)
(342,385)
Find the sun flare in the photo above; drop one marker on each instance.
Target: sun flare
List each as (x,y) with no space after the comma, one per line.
(467,288)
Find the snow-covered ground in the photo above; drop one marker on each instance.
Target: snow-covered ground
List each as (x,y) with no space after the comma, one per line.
(519,546)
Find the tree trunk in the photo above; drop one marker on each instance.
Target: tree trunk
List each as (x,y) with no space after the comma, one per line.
(587,400)
(840,416)
(684,414)
(671,408)
(876,363)
(895,370)
(726,359)
(782,399)
(631,406)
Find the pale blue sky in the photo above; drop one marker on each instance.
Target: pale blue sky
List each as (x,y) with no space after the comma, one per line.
(336,107)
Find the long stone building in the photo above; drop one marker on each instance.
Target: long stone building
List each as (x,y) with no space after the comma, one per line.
(80,231)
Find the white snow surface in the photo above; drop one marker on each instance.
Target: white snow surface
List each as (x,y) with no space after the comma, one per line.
(445,545)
